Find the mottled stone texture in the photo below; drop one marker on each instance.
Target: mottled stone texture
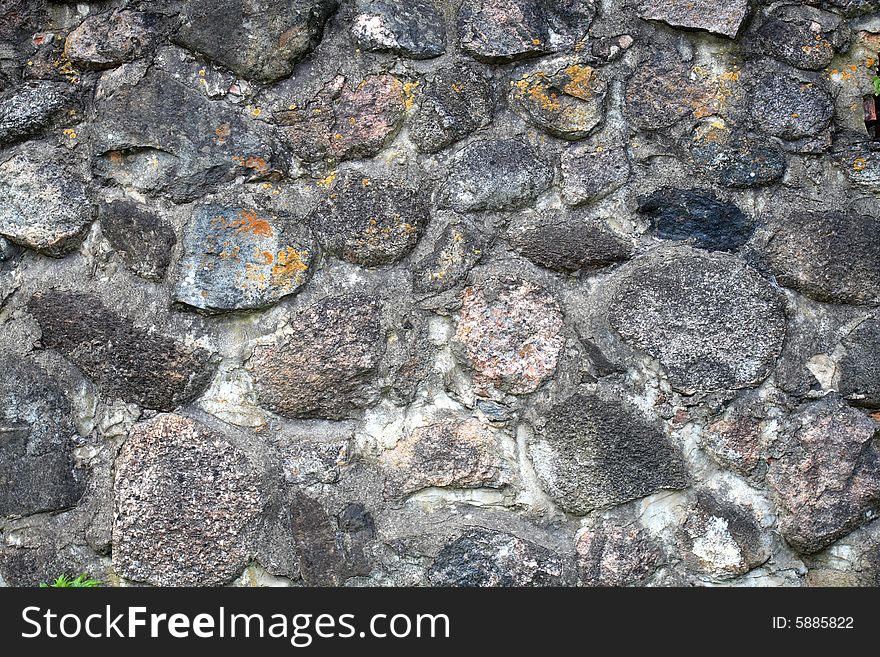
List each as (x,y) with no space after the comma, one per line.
(440,292)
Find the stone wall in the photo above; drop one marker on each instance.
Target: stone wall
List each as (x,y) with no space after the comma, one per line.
(471,292)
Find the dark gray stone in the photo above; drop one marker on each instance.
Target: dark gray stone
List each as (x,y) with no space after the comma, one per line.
(613,554)
(458,248)
(142,238)
(736,161)
(123,360)
(697,216)
(591,172)
(414,29)
(592,453)
(860,366)
(31,108)
(712,321)
(789,105)
(851,7)
(107,40)
(715,16)
(661,93)
(804,37)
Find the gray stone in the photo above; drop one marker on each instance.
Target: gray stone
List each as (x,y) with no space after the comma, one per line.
(828,256)
(123,360)
(789,105)
(568,103)
(506,30)
(737,161)
(711,320)
(826,475)
(142,238)
(44,205)
(482,557)
(413,29)
(242,258)
(326,367)
(31,108)
(715,16)
(38,471)
(183,496)
(107,40)
(804,37)
(565,241)
(860,366)
(370,221)
(591,453)
(306,463)
(453,104)
(734,441)
(591,172)
(851,7)
(7,250)
(458,248)
(495,175)
(614,554)
(258,39)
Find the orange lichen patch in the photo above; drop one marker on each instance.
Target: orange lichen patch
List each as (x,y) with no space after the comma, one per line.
(365,183)
(266,257)
(869,63)
(290,266)
(537,87)
(859,164)
(729,76)
(70,133)
(327,181)
(256,111)
(409,96)
(580,81)
(248,221)
(256,163)
(116,158)
(223,130)
(254,276)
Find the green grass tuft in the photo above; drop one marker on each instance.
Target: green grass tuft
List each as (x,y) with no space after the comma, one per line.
(63,582)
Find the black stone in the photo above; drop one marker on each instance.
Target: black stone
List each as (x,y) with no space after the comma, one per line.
(143,240)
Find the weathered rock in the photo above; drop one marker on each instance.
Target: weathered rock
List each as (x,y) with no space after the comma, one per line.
(482,557)
(258,39)
(458,248)
(802,36)
(181,488)
(734,441)
(611,554)
(860,366)
(568,103)
(31,108)
(851,7)
(506,30)
(142,238)
(722,539)
(44,205)
(591,172)
(7,250)
(826,477)
(453,104)
(723,18)
(344,122)
(123,360)
(592,453)
(370,221)
(788,105)
(242,258)
(107,40)
(697,216)
(860,162)
(736,161)
(308,462)
(446,455)
(828,256)
(413,29)
(564,241)
(38,471)
(326,366)
(509,334)
(711,321)
(495,175)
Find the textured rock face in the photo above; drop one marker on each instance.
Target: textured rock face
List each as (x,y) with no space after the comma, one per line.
(143,240)
(662,92)
(615,555)
(590,173)
(458,248)
(693,312)
(325,367)
(259,39)
(242,258)
(826,477)
(181,488)
(108,40)
(413,30)
(724,18)
(860,367)
(509,335)
(139,366)
(790,106)
(593,453)
(804,37)
(736,161)
(30,109)
(488,558)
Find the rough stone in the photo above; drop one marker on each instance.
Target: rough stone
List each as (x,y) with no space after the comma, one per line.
(258,39)
(453,104)
(734,441)
(123,360)
(242,258)
(563,241)
(108,40)
(612,554)
(697,216)
(499,31)
(142,238)
(591,172)
(723,18)
(860,366)
(38,471)
(369,221)
(181,488)
(44,205)
(804,37)
(414,29)
(568,103)
(495,175)
(344,122)
(592,453)
(826,475)
(449,454)
(788,105)
(326,366)
(711,320)
(309,463)
(7,250)
(31,108)
(736,161)
(828,256)
(509,334)
(458,248)
(482,557)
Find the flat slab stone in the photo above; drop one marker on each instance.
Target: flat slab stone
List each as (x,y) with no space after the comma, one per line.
(723,18)
(414,29)
(142,238)
(107,40)
(242,258)
(591,172)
